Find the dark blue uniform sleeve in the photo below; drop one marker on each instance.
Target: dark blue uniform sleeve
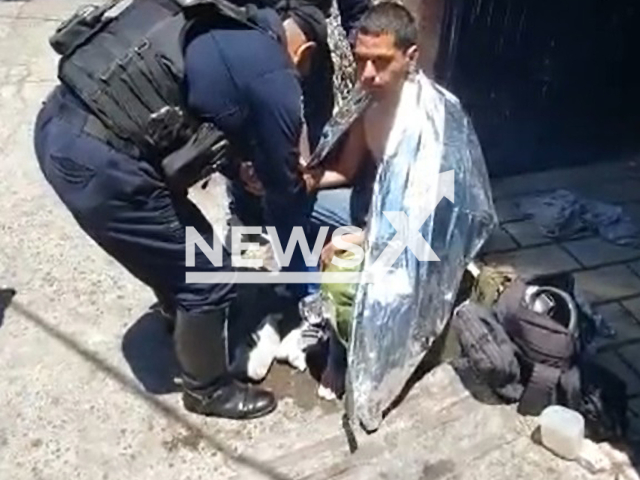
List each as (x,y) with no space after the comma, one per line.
(351,11)
(275,124)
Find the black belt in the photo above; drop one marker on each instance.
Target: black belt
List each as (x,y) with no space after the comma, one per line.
(71,111)
(96,129)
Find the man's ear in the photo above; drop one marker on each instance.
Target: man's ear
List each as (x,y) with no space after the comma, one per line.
(304,56)
(412,53)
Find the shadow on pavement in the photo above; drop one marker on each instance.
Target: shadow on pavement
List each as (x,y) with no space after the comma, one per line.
(6,295)
(148,344)
(147,347)
(174,414)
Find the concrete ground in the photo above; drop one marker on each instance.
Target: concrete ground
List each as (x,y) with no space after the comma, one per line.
(86,386)
(607,274)
(78,351)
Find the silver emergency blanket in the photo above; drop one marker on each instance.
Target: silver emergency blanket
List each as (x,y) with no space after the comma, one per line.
(433,171)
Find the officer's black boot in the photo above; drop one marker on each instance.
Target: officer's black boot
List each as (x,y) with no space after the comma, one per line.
(209,388)
(166,310)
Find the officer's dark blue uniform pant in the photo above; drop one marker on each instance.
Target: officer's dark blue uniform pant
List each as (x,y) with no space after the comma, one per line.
(123,205)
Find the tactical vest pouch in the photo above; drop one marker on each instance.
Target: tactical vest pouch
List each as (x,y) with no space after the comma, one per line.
(128,69)
(76,30)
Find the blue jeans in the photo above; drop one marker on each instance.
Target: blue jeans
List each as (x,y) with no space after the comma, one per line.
(333,208)
(339,207)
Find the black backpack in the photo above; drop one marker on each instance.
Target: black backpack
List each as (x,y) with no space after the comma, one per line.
(488,349)
(547,346)
(531,348)
(128,69)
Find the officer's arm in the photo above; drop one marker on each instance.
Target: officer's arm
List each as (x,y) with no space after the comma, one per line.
(350,13)
(275,118)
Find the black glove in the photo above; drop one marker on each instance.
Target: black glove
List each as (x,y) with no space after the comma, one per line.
(206,152)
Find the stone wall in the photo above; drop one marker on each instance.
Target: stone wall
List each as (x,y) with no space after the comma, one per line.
(429,15)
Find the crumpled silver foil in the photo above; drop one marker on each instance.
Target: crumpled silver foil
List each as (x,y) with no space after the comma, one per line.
(432,163)
(344,116)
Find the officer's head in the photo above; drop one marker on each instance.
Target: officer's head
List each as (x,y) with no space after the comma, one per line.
(305,27)
(385,48)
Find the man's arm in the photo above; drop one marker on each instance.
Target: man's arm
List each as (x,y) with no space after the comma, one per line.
(343,168)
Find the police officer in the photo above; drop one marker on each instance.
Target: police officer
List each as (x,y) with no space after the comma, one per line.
(246,83)
(318,92)
(318,84)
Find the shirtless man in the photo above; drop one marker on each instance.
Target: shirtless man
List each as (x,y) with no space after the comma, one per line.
(385,54)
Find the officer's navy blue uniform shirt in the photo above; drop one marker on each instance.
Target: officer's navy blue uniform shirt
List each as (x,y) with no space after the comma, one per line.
(244,81)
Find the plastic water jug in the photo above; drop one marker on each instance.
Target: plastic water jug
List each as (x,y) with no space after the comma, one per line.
(562,431)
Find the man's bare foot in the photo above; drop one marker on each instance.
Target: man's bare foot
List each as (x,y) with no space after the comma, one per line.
(332,381)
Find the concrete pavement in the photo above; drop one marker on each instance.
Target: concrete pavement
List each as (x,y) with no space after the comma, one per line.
(86,373)
(71,400)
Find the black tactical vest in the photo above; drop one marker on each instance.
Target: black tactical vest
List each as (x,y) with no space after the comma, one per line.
(128,69)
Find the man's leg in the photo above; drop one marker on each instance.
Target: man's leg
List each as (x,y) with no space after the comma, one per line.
(332,208)
(124,206)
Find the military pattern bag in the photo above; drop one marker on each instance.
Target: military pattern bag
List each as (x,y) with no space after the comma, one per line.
(341,297)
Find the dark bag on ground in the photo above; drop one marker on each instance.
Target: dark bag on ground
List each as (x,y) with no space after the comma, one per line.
(489,350)
(533,346)
(128,69)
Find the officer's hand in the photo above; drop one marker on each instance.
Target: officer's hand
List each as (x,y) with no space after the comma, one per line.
(311,178)
(250,179)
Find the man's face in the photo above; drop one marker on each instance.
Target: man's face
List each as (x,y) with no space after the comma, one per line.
(381,66)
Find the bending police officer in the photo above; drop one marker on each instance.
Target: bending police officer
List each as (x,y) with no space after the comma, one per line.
(240,79)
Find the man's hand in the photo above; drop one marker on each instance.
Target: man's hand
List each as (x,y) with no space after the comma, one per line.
(311,178)
(330,250)
(327,254)
(250,179)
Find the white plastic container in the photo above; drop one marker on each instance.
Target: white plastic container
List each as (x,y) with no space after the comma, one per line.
(562,431)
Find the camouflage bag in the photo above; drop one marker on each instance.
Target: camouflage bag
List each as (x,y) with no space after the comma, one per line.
(490,283)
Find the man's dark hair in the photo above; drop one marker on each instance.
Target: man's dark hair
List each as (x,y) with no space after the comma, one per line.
(307,17)
(390,18)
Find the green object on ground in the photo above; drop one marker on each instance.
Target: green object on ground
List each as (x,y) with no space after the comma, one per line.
(342,297)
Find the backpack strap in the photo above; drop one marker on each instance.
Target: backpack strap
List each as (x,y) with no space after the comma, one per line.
(540,389)
(489,349)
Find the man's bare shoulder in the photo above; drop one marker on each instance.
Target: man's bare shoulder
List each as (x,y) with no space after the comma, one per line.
(352,147)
